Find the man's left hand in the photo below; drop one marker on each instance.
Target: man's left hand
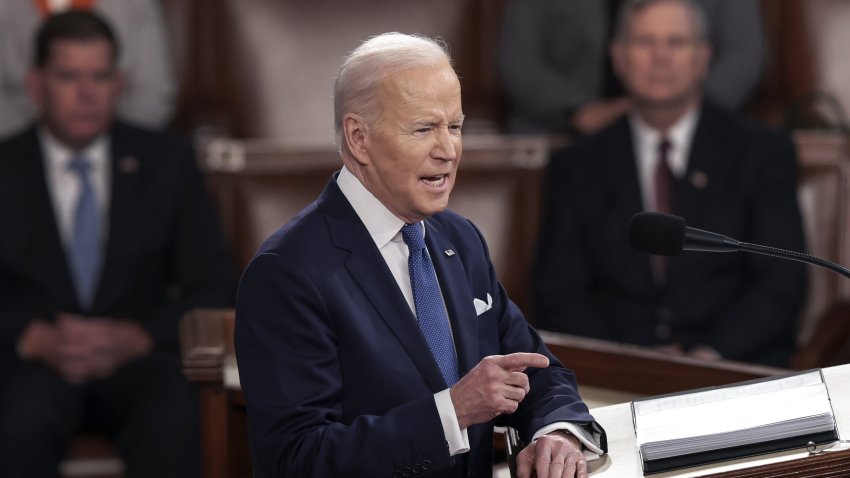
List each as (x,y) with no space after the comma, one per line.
(93,348)
(556,455)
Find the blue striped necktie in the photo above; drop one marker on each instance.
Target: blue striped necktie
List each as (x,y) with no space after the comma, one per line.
(85,238)
(430,309)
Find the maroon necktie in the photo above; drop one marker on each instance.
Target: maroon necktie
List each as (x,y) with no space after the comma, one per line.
(665,183)
(664,180)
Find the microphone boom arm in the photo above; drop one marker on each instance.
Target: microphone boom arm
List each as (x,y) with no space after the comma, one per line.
(794,256)
(668,235)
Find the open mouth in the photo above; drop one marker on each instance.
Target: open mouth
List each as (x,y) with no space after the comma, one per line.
(436,181)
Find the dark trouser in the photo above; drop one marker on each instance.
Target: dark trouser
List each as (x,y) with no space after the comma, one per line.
(146,407)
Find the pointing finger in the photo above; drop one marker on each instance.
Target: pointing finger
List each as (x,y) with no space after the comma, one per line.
(517,362)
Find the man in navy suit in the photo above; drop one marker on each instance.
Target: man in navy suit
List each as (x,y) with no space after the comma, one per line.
(363,353)
(108,237)
(675,154)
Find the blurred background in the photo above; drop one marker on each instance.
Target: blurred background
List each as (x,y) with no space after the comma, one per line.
(265,68)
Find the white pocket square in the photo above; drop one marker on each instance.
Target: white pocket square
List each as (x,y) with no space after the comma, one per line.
(481,306)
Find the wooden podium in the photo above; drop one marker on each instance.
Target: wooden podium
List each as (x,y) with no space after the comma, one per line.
(622,460)
(603,367)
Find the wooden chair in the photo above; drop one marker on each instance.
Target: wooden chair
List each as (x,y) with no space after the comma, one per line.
(825,206)
(91,455)
(206,342)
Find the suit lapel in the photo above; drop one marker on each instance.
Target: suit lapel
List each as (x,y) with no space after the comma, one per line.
(43,236)
(457,296)
(627,189)
(711,148)
(368,268)
(626,181)
(127,179)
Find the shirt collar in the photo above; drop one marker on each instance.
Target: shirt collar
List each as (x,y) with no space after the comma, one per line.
(383,225)
(680,133)
(59,155)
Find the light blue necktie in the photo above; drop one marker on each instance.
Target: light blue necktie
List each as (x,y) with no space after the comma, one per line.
(430,309)
(86,237)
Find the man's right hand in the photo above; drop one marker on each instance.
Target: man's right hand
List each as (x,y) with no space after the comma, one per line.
(94,347)
(493,387)
(40,342)
(81,349)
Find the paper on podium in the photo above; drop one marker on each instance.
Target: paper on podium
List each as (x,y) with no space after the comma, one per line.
(708,425)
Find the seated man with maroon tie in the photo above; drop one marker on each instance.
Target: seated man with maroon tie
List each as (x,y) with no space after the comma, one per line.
(108,238)
(678,154)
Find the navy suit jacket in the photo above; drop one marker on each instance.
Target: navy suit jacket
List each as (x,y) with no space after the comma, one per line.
(741,182)
(338,379)
(164,252)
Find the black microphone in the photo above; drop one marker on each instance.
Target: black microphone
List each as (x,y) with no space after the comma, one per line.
(667,235)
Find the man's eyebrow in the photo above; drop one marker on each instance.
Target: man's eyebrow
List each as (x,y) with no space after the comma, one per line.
(434,122)
(424,124)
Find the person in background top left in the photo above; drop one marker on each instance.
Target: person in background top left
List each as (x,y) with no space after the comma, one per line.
(109,237)
(150,90)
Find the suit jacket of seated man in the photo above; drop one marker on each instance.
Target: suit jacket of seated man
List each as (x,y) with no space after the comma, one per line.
(740,181)
(338,377)
(164,252)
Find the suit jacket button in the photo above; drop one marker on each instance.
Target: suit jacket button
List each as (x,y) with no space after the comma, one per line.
(426,464)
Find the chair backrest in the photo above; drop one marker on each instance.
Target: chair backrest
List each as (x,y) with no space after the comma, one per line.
(825,207)
(826,28)
(91,455)
(259,186)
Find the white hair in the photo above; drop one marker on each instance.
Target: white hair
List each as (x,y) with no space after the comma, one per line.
(374,61)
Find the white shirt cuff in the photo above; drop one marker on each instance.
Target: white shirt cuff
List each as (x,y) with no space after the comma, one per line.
(457,439)
(591,448)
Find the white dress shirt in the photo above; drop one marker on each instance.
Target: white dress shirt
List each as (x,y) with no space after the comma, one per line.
(385,229)
(646,141)
(63,184)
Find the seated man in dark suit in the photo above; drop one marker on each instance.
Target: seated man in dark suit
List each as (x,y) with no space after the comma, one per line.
(372,336)
(108,237)
(677,154)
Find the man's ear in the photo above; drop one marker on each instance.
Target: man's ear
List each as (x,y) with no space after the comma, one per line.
(355,135)
(35,81)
